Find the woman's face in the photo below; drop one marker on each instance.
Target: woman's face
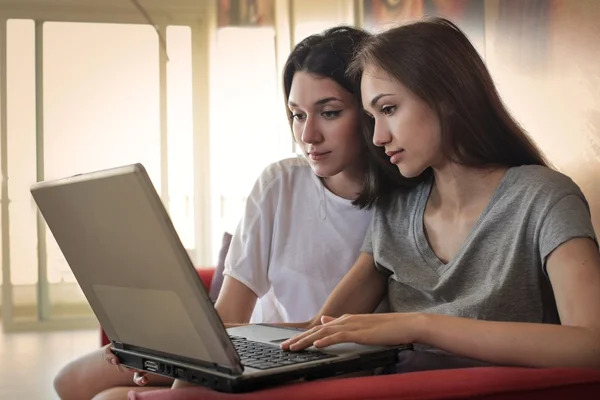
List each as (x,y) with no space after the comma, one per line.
(325,123)
(405,125)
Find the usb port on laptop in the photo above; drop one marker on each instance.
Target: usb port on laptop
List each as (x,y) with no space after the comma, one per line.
(151,366)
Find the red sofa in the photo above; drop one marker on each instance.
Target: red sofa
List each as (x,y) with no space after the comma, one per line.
(490,383)
(469,383)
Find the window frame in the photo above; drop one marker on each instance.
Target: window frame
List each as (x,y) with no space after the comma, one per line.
(200,17)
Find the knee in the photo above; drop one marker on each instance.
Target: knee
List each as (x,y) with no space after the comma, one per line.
(70,382)
(117,393)
(64,384)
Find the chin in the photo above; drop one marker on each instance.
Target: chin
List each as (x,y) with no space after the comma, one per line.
(409,172)
(324,171)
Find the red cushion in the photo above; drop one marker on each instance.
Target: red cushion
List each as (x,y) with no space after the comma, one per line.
(103,338)
(474,383)
(206,275)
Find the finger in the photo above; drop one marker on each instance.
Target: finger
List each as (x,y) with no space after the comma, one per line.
(336,338)
(140,379)
(294,339)
(302,337)
(326,319)
(286,344)
(110,357)
(309,340)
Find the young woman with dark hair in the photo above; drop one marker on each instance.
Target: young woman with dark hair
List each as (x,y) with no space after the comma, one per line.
(492,258)
(304,220)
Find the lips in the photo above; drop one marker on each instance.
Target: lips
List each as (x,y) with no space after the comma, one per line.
(395,155)
(318,155)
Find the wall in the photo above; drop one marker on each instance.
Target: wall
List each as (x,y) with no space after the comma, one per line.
(543,56)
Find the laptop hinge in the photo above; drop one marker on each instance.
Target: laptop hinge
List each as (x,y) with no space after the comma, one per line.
(118,345)
(226,370)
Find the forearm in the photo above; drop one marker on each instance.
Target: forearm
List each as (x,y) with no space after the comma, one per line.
(511,343)
(359,292)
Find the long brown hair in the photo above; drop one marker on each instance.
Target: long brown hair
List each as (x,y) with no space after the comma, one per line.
(435,60)
(328,54)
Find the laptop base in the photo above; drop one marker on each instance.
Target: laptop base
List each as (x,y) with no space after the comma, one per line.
(370,365)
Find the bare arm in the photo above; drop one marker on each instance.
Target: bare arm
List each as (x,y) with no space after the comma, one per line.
(359,292)
(574,271)
(235,302)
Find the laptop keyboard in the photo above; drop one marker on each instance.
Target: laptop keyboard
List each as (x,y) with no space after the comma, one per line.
(264,356)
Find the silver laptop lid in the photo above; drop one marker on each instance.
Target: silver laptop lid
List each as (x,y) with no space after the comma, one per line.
(134,271)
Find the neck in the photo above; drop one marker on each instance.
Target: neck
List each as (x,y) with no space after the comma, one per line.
(457,188)
(347,184)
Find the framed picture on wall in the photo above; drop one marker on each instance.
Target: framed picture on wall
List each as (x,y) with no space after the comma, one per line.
(469,15)
(245,13)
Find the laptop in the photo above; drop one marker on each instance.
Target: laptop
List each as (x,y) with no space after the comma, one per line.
(123,249)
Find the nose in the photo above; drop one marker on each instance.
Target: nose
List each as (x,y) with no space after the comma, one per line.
(310,132)
(381,135)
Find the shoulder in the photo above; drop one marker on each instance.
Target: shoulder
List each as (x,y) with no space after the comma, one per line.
(283,170)
(536,196)
(537,177)
(289,173)
(541,184)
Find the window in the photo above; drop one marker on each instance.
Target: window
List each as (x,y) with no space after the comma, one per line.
(21,162)
(100,108)
(249,126)
(180,130)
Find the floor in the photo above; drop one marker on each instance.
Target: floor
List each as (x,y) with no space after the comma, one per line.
(29,361)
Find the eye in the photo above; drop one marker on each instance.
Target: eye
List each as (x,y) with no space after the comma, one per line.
(388,110)
(298,116)
(331,114)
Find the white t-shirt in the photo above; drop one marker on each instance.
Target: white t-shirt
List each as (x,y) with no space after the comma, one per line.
(295,242)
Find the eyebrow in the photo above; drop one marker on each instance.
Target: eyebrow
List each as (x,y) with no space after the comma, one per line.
(379,96)
(318,102)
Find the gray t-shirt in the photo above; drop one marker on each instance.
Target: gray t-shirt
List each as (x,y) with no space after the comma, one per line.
(499,273)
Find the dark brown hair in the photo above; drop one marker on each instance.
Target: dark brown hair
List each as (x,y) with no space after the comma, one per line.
(436,61)
(328,55)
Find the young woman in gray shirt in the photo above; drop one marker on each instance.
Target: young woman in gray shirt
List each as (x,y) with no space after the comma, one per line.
(491,256)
